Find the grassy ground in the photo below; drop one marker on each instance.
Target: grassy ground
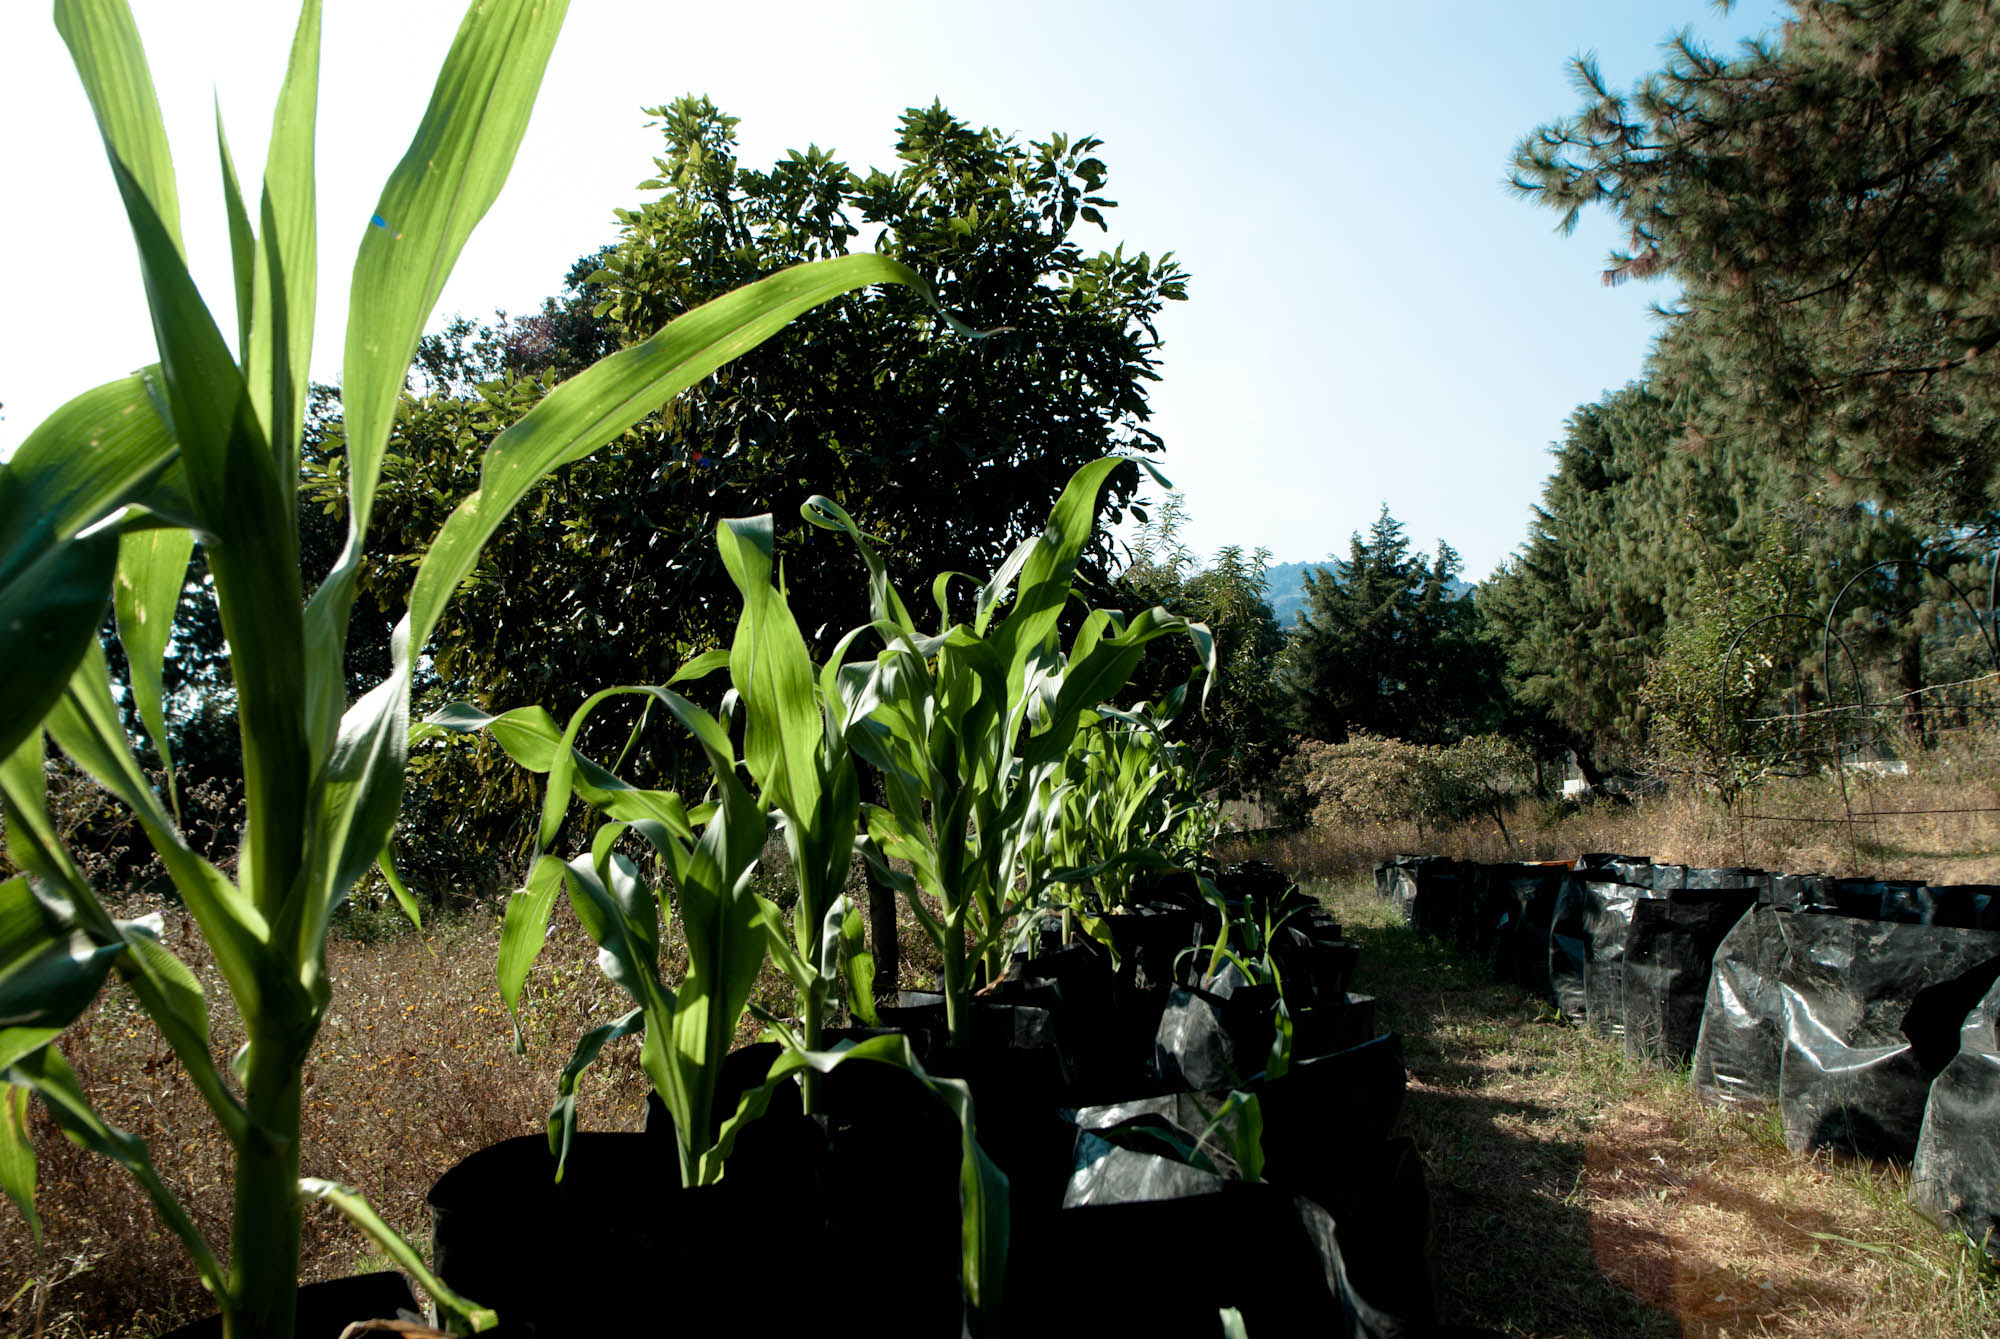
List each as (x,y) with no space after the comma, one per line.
(414,1070)
(1577,1194)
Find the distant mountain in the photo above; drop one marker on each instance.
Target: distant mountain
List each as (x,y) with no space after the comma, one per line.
(1286,594)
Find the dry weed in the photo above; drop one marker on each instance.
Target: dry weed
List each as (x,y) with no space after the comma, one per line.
(1940,824)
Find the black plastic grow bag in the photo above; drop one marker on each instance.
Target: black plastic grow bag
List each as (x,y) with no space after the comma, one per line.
(1669,951)
(1869,1022)
(1955,1178)
(1741,1045)
(1523,905)
(1587,943)
(1215,1037)
(326,1309)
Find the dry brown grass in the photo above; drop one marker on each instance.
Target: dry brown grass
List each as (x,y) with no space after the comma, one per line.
(1793,826)
(1577,1194)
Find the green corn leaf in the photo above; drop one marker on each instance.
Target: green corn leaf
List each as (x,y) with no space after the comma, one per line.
(52,608)
(400,890)
(623,955)
(48,974)
(523,931)
(451,1307)
(239,499)
(562,1116)
(85,724)
(772,671)
(597,405)
(447,180)
(796,969)
(104,43)
(109,446)
(444,184)
(352,810)
(49,1074)
(152,566)
(885,605)
(17,1155)
(242,239)
(983,1187)
(528,735)
(1047,571)
(285,284)
(855,963)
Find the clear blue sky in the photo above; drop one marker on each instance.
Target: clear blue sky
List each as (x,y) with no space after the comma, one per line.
(1372,317)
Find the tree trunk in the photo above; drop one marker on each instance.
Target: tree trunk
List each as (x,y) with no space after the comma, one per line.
(1910,675)
(1591,776)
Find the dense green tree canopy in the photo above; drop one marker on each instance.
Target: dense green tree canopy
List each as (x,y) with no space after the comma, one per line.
(1387,646)
(1825,201)
(1236,742)
(948,448)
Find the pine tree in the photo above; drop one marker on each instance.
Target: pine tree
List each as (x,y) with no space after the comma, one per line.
(1386,646)
(1824,199)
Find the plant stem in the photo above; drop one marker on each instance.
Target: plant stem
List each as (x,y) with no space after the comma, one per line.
(264,1236)
(957,986)
(810,1030)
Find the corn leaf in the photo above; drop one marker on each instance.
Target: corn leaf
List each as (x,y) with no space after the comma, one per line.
(104,43)
(49,1074)
(562,1115)
(52,609)
(17,1155)
(286,279)
(152,566)
(523,931)
(597,405)
(451,1307)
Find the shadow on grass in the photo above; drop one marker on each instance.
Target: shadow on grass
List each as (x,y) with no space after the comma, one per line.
(1543,1226)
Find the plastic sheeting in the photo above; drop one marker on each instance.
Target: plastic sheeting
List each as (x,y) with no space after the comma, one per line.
(1955,1178)
(1853,1079)
(1670,946)
(1215,1037)
(1371,1234)
(1741,1045)
(1523,906)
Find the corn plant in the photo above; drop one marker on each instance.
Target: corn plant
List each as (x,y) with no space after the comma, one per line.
(800,774)
(966,725)
(796,769)
(100,506)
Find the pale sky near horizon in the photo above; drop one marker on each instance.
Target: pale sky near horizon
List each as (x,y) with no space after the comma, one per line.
(1372,317)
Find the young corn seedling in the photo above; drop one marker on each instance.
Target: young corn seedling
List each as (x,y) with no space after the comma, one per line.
(799,771)
(967,725)
(100,507)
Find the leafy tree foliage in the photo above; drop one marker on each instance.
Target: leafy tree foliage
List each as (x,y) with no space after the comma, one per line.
(1636,525)
(1237,741)
(1824,199)
(947,448)
(1710,690)
(1386,647)
(1373,781)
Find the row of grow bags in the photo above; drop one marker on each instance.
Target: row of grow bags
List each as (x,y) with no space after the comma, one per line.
(1866,1009)
(1164,1160)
